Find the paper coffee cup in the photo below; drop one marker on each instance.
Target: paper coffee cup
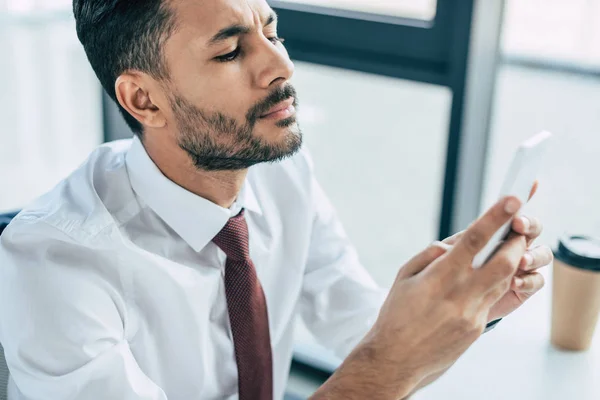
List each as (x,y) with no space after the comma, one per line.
(575,292)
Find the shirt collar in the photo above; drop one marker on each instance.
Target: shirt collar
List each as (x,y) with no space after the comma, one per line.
(194,218)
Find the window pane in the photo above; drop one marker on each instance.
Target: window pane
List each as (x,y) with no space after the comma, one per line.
(527,101)
(49,104)
(416,9)
(27,6)
(556,30)
(379,148)
(568,105)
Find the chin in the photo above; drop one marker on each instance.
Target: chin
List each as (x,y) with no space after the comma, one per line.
(281,130)
(287,140)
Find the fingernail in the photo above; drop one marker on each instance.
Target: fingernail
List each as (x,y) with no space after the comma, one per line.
(519,282)
(528,259)
(512,205)
(526,224)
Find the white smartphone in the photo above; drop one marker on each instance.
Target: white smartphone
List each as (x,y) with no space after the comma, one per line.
(518,182)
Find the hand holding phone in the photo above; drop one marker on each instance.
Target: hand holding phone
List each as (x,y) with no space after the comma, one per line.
(519,181)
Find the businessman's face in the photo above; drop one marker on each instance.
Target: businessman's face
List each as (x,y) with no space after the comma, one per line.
(229,95)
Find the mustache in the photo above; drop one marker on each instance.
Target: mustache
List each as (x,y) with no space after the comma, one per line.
(277,96)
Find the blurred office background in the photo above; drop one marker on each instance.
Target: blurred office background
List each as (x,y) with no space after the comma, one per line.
(380,141)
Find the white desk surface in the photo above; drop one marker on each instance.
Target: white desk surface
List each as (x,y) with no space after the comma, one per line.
(516,362)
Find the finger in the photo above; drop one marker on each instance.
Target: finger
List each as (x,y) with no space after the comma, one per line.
(528,226)
(536,258)
(480,232)
(534,189)
(497,274)
(422,260)
(453,239)
(528,283)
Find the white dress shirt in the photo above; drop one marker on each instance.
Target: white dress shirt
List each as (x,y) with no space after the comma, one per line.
(111,287)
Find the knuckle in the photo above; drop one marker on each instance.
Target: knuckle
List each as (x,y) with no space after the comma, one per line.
(452,239)
(536,282)
(541,256)
(528,285)
(536,225)
(474,239)
(534,257)
(430,252)
(542,281)
(498,212)
(549,255)
(532,223)
(506,266)
(436,248)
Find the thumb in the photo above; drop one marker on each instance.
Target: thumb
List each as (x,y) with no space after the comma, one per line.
(419,262)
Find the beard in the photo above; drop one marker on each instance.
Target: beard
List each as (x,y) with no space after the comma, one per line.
(217,142)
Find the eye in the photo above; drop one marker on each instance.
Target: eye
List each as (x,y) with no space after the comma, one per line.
(229,56)
(277,39)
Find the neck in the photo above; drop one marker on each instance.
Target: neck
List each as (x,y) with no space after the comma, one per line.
(219,187)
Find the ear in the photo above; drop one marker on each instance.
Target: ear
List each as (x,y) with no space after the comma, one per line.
(135,92)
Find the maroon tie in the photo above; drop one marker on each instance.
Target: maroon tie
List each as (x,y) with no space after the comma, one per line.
(247,313)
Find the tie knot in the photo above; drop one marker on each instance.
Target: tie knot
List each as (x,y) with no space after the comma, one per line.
(233,238)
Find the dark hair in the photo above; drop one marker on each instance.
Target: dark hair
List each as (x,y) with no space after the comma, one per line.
(121,35)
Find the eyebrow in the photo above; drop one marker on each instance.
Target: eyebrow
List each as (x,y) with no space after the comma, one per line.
(237,30)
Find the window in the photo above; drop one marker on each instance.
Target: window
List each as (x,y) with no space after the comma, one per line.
(414,9)
(425,115)
(528,101)
(554,31)
(50,105)
(29,6)
(379,146)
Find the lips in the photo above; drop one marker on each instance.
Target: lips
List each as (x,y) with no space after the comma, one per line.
(279,107)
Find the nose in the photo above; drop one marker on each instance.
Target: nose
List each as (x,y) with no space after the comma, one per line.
(274,66)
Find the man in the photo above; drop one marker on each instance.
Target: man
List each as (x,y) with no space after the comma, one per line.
(173,266)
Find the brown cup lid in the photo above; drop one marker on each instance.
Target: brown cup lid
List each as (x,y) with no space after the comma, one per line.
(579,252)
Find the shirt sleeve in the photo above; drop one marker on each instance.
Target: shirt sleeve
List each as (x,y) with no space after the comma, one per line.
(340,300)
(63,320)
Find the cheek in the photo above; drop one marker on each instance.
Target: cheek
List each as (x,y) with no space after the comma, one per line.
(229,99)
(224,92)
(214,87)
